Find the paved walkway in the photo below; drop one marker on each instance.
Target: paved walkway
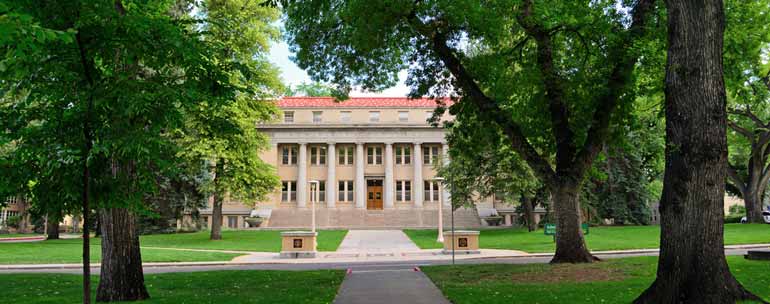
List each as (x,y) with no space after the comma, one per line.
(389,286)
(377,241)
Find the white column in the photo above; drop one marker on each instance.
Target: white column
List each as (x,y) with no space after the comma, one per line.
(302,177)
(389,190)
(360,188)
(445,160)
(331,178)
(417,182)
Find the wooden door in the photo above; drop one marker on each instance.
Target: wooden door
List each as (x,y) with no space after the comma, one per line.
(374,197)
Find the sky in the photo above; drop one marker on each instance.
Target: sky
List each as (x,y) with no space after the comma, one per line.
(293,75)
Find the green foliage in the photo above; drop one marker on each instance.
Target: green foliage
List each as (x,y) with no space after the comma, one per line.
(313,89)
(747,80)
(132,75)
(627,176)
(223,134)
(13,221)
(737,210)
(483,165)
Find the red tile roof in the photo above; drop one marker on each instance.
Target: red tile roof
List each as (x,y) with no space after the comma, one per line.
(358,102)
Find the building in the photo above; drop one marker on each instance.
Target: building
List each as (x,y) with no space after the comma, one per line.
(374,160)
(15,210)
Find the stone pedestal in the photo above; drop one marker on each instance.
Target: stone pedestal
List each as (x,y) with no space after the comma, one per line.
(465,242)
(298,244)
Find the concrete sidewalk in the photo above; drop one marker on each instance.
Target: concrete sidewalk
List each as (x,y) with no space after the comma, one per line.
(429,255)
(408,285)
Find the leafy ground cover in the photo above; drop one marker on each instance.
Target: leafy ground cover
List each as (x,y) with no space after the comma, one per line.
(599,238)
(611,281)
(194,287)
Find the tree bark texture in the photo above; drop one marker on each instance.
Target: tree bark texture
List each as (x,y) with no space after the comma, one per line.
(692,266)
(754,185)
(52,229)
(122,278)
(570,244)
(216,209)
(529,212)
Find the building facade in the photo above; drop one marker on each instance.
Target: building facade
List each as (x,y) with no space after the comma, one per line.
(366,156)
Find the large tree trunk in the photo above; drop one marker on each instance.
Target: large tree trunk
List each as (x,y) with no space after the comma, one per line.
(570,244)
(529,212)
(755,186)
(216,218)
(216,208)
(122,278)
(52,228)
(692,266)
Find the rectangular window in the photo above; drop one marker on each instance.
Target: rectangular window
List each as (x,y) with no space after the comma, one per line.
(403,191)
(288,116)
(431,190)
(429,154)
(321,191)
(374,155)
(374,116)
(289,155)
(317,155)
(232,222)
(345,116)
(345,155)
(403,155)
(403,116)
(345,191)
(288,191)
(317,116)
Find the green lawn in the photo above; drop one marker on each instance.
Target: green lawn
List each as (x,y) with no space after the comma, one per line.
(599,238)
(70,250)
(611,281)
(17,235)
(245,240)
(194,287)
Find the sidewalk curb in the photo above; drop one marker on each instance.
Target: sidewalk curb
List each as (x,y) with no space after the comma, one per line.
(321,261)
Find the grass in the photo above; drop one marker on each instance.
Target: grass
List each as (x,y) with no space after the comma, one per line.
(195,287)
(18,235)
(599,238)
(70,250)
(612,281)
(244,240)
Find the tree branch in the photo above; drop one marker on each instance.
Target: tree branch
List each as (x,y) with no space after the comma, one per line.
(486,106)
(733,176)
(553,84)
(618,80)
(750,115)
(741,130)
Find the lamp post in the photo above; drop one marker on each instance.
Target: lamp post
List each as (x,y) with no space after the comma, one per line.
(314,189)
(440,211)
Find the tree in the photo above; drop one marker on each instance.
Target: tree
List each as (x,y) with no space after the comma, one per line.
(223,134)
(692,266)
(100,102)
(747,78)
(549,76)
(313,89)
(483,165)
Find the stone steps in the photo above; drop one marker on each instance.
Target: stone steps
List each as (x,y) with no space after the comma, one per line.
(369,219)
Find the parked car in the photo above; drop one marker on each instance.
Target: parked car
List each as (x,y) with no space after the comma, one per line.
(765,216)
